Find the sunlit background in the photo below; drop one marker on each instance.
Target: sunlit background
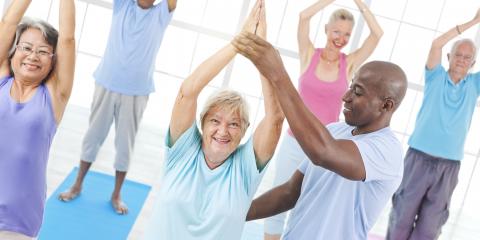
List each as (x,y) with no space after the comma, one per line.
(200,27)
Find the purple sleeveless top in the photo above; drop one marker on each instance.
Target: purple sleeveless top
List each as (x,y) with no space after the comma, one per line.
(26,133)
(323,99)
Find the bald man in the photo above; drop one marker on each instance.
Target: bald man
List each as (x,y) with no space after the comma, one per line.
(352,168)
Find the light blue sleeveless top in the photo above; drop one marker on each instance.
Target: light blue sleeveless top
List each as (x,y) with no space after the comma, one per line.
(26,133)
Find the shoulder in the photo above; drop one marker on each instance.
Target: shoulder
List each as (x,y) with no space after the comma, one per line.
(4,80)
(438,69)
(382,142)
(338,128)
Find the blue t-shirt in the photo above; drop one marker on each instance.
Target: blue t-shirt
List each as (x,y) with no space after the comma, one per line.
(333,207)
(135,35)
(196,202)
(446,113)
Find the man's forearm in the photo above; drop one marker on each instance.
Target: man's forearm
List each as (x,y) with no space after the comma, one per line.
(273,202)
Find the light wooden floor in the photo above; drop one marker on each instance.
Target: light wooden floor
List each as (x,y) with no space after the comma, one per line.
(147,164)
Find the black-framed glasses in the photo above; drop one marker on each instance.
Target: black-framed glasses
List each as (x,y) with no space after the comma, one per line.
(28,49)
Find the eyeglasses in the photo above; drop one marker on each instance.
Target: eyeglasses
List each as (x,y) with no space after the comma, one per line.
(28,49)
(467,58)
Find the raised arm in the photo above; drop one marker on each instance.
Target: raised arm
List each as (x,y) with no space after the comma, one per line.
(184,110)
(305,44)
(185,106)
(340,156)
(358,57)
(278,199)
(8,26)
(61,82)
(267,134)
(435,55)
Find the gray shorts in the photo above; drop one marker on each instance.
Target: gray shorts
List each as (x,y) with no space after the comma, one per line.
(127,112)
(421,203)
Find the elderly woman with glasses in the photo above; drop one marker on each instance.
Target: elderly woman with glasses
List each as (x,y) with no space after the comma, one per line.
(36,78)
(210,179)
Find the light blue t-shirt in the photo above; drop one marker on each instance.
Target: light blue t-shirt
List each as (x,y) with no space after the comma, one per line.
(333,207)
(135,35)
(196,202)
(446,113)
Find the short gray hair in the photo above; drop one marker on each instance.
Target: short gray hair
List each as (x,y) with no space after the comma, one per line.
(464,40)
(229,100)
(48,31)
(341,14)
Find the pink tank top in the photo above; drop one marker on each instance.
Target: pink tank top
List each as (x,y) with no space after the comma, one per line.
(323,99)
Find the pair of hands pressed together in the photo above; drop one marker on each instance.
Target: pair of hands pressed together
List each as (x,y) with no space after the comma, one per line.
(252,44)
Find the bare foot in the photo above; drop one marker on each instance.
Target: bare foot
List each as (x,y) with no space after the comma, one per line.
(70,194)
(119,206)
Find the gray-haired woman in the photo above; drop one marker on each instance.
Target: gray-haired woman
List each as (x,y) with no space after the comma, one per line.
(36,76)
(210,179)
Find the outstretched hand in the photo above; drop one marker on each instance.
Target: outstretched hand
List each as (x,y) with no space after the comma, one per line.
(262,54)
(256,20)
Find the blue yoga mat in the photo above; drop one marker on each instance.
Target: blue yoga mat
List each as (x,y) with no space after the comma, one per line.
(90,216)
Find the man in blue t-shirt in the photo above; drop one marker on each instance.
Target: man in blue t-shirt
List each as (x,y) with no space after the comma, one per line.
(124,79)
(350,169)
(421,203)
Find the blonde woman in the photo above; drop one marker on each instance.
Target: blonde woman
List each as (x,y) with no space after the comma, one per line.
(210,179)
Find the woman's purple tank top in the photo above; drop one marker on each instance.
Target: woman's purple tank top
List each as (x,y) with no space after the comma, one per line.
(26,133)
(323,99)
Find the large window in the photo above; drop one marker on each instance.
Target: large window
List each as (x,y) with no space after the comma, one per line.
(200,27)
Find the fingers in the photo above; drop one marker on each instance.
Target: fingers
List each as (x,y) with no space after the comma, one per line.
(251,46)
(248,38)
(262,22)
(252,19)
(257,40)
(243,45)
(254,13)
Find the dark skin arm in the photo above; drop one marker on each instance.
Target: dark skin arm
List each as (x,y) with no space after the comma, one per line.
(339,156)
(277,200)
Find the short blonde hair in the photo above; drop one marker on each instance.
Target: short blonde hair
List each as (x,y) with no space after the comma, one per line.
(229,100)
(341,14)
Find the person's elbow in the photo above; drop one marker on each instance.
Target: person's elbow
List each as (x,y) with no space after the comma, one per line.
(304,16)
(377,34)
(437,45)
